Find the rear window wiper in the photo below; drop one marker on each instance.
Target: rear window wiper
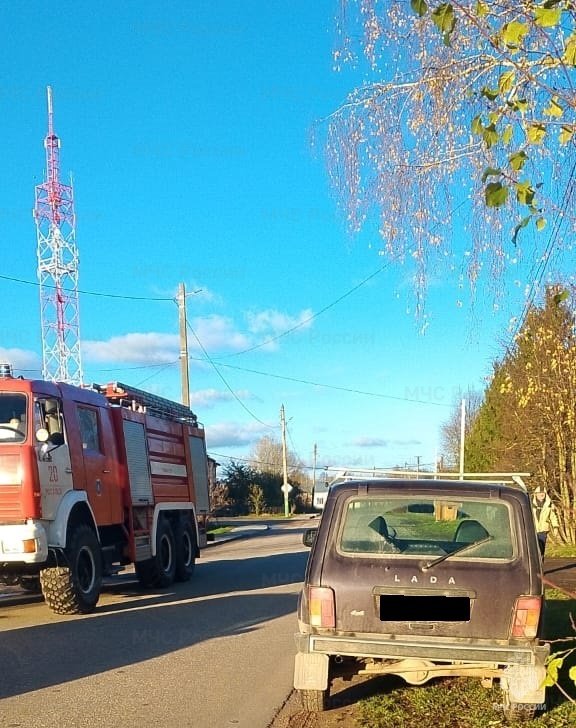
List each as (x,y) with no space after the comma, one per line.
(460,550)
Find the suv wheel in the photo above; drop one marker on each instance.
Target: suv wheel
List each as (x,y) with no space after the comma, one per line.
(314,701)
(518,712)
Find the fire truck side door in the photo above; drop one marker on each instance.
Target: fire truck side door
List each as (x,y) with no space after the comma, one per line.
(54,470)
(99,466)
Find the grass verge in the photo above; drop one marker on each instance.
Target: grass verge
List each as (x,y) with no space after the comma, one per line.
(464,703)
(452,703)
(560,551)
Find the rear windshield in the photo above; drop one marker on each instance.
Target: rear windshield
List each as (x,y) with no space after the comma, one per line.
(463,528)
(12,418)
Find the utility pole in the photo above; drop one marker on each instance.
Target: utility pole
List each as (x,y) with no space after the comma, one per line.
(462,437)
(315,455)
(286,488)
(183,345)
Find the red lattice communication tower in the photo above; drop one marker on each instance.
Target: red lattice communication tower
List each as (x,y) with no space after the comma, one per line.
(57,268)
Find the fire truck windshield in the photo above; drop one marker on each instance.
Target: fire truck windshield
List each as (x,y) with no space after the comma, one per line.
(12,418)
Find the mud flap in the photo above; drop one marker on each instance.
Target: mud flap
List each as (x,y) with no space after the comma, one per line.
(525,683)
(311,671)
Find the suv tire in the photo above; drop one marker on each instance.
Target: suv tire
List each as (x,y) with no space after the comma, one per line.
(314,701)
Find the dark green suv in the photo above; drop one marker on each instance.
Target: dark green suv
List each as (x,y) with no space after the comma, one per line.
(424,578)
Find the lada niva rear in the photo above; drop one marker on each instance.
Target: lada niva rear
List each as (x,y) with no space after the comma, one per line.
(421,579)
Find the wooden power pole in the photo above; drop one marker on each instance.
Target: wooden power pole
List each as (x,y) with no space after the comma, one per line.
(183,345)
(286,487)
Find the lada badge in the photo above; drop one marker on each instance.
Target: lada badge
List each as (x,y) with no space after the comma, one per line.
(420,579)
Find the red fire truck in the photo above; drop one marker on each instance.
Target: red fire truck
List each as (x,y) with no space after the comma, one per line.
(93,479)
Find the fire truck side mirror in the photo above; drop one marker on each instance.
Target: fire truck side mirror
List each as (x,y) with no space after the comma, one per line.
(56,438)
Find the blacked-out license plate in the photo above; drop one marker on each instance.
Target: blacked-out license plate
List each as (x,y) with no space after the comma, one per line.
(413,608)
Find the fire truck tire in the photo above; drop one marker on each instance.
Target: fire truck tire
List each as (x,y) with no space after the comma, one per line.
(185,551)
(75,589)
(160,570)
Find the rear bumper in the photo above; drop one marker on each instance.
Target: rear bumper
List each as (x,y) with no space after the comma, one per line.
(448,652)
(520,668)
(23,543)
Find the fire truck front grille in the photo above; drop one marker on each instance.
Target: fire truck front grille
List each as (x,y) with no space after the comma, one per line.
(11,504)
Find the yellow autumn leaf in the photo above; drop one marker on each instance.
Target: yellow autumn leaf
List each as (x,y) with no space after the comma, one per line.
(554,109)
(536,133)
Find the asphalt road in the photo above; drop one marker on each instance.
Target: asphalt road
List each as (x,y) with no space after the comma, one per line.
(215,652)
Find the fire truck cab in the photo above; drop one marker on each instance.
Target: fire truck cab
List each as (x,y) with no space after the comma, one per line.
(92,480)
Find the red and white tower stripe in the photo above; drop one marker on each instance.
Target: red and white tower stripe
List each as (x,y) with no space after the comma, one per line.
(57,268)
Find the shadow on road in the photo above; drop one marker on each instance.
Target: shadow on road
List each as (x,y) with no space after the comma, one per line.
(230,575)
(126,633)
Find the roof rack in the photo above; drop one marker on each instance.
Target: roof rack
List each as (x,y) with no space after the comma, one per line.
(123,395)
(340,475)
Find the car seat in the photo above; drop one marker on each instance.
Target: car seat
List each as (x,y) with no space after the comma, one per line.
(470,531)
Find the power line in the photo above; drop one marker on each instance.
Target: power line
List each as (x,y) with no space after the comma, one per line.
(329,305)
(228,387)
(291,466)
(538,269)
(302,466)
(306,320)
(88,293)
(266,342)
(155,374)
(326,386)
(127,369)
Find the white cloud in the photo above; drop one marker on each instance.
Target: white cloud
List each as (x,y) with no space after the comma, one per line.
(274,322)
(209,397)
(149,347)
(380,442)
(215,333)
(233,434)
(370,442)
(22,359)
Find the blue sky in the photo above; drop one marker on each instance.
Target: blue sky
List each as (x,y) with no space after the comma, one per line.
(188,130)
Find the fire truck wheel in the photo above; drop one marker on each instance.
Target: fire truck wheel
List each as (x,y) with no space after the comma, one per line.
(185,551)
(75,589)
(160,570)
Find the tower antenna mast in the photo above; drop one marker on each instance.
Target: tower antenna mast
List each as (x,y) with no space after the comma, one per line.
(57,267)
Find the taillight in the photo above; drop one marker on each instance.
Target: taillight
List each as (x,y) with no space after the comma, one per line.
(321,604)
(526,617)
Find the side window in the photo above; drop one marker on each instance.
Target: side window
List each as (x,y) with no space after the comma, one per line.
(48,415)
(89,428)
(12,417)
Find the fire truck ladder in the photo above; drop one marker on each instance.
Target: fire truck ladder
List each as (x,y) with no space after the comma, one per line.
(138,400)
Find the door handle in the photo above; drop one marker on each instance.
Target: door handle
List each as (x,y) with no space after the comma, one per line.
(67,470)
(105,471)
